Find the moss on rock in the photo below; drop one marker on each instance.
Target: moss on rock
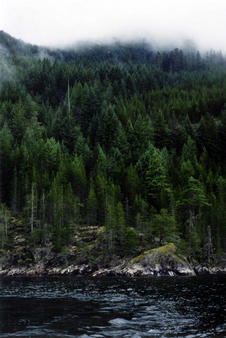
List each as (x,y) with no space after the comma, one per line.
(162,260)
(168,249)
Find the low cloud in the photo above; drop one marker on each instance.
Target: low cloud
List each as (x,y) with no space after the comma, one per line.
(60,23)
(6,70)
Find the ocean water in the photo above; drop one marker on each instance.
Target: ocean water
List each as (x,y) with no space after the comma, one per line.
(113,307)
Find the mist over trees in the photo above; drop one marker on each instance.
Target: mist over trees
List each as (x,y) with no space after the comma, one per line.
(120,137)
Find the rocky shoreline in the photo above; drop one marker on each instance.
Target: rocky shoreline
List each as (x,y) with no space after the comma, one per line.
(88,270)
(158,262)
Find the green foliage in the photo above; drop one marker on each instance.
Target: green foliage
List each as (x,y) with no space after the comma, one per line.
(91,206)
(5,217)
(116,136)
(164,227)
(131,241)
(156,178)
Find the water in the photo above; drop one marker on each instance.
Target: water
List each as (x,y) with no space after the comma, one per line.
(83,307)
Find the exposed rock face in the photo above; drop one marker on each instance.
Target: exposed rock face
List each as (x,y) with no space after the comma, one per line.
(162,261)
(41,270)
(203,270)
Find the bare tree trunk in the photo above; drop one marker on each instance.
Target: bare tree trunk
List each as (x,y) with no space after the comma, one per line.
(43,208)
(210,245)
(15,191)
(191,220)
(32,208)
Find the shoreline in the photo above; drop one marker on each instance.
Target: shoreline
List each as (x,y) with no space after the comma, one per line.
(84,270)
(157,262)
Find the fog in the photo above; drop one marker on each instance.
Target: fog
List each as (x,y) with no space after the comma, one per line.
(61,23)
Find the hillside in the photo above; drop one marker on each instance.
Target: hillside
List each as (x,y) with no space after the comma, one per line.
(110,150)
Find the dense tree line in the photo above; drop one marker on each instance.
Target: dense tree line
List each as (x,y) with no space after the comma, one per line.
(121,137)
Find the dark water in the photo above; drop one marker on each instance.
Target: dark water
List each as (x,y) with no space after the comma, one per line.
(83,307)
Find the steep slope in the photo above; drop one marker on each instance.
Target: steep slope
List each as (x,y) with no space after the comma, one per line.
(119,139)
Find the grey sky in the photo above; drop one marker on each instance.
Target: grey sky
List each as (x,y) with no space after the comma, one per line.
(57,22)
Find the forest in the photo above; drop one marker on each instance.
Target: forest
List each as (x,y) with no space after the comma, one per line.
(120,138)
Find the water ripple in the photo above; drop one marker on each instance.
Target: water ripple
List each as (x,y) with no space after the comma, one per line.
(81,307)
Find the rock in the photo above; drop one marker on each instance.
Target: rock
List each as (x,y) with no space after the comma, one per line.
(201,270)
(162,261)
(213,270)
(218,270)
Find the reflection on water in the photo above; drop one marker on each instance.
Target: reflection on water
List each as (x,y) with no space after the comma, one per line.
(81,307)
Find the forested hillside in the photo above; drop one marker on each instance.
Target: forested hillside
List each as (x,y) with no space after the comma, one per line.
(123,138)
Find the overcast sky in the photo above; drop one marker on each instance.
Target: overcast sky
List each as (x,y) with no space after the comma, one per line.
(57,22)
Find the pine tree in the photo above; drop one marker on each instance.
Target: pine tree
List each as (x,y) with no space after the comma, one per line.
(91,206)
(156,179)
(164,227)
